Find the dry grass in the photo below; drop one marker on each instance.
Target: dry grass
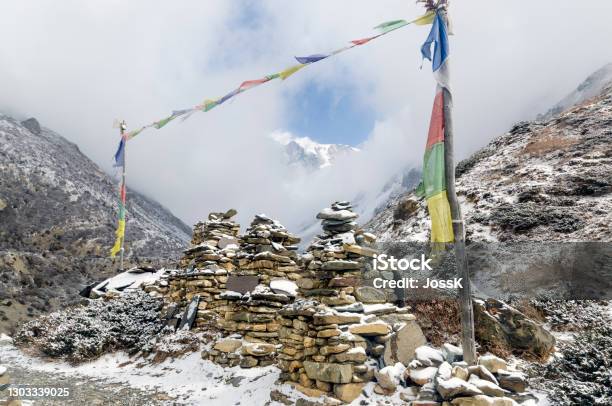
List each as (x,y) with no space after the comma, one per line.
(545,144)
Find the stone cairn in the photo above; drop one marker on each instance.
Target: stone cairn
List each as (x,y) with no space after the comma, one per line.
(204,269)
(335,262)
(266,267)
(335,337)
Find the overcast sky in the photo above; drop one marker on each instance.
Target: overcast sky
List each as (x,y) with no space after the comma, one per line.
(78,65)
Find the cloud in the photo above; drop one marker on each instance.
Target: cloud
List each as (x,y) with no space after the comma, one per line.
(77,65)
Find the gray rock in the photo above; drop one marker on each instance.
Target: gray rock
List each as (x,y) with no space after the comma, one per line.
(401,345)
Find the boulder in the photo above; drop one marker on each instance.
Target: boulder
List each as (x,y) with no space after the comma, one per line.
(498,324)
(327,372)
(456,387)
(348,392)
(32,125)
(401,345)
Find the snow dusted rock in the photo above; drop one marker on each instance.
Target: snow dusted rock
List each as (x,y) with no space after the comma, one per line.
(492,363)
(452,353)
(284,286)
(421,376)
(445,371)
(429,356)
(456,387)
(482,373)
(2,370)
(389,377)
(487,388)
(258,349)
(331,214)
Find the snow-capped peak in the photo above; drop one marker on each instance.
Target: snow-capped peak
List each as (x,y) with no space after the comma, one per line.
(309,153)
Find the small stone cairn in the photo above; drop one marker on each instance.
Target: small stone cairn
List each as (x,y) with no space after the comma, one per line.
(335,261)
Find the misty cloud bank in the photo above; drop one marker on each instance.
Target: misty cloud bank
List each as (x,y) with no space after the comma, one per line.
(77,66)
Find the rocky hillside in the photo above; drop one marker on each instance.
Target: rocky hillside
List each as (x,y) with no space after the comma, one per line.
(58,216)
(549,180)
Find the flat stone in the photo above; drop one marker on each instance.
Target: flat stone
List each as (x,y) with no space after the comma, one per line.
(341,265)
(369,294)
(228,345)
(310,392)
(258,349)
(327,372)
(482,373)
(512,382)
(483,400)
(330,214)
(335,318)
(371,329)
(486,387)
(456,387)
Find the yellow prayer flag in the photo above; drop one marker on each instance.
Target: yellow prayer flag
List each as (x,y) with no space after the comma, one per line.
(441,219)
(290,71)
(425,19)
(120,234)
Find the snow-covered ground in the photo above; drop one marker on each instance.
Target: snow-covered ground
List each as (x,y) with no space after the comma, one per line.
(188,380)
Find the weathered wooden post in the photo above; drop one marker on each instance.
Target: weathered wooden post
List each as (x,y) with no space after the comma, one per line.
(465,294)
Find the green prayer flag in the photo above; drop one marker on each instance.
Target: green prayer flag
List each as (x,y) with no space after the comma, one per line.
(433,170)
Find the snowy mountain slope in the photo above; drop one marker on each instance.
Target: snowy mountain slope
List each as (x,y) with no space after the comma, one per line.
(549,180)
(52,190)
(310,154)
(58,215)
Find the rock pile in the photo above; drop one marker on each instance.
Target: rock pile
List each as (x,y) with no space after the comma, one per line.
(214,243)
(336,260)
(268,251)
(437,377)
